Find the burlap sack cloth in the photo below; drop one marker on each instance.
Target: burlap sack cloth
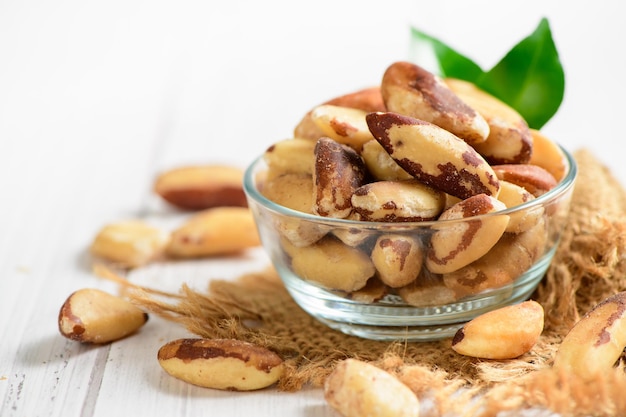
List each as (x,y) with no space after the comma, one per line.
(589,266)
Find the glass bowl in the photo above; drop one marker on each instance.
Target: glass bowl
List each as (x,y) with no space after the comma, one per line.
(334,268)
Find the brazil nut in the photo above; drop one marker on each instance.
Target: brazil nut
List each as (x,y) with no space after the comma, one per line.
(413,91)
(397,201)
(433,155)
(457,244)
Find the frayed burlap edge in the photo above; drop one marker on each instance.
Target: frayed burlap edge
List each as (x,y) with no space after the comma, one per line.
(588,267)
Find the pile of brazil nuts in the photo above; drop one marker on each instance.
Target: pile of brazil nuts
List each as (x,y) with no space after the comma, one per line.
(345,156)
(219,224)
(415,148)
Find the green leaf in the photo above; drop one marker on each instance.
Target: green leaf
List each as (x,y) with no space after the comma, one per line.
(449,63)
(529,78)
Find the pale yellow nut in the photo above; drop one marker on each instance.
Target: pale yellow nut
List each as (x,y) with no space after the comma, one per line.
(130,243)
(548,155)
(367,99)
(339,170)
(307,129)
(223,364)
(433,155)
(331,264)
(200,187)
(290,156)
(513,255)
(291,190)
(353,236)
(294,191)
(373,292)
(455,245)
(427,290)
(513,195)
(380,165)
(95,316)
(505,333)
(359,389)
(216,231)
(411,90)
(343,124)
(398,259)
(397,201)
(597,340)
(509,139)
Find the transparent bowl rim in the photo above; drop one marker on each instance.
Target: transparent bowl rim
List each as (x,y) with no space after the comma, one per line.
(251,190)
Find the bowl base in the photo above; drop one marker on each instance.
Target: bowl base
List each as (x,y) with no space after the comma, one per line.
(391,319)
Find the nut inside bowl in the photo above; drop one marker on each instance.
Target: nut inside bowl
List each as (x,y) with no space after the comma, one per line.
(417,280)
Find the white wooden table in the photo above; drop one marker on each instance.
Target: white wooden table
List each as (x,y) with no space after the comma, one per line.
(96,98)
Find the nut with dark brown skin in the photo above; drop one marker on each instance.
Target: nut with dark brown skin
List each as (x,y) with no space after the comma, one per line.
(413,91)
(433,155)
(224,364)
(595,343)
(339,171)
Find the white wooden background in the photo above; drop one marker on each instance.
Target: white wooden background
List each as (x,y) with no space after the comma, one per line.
(98,97)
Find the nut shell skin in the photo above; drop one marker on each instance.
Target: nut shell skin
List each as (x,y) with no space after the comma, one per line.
(433,155)
(596,341)
(223,364)
(413,91)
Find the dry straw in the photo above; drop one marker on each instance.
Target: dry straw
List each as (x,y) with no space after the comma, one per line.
(589,266)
